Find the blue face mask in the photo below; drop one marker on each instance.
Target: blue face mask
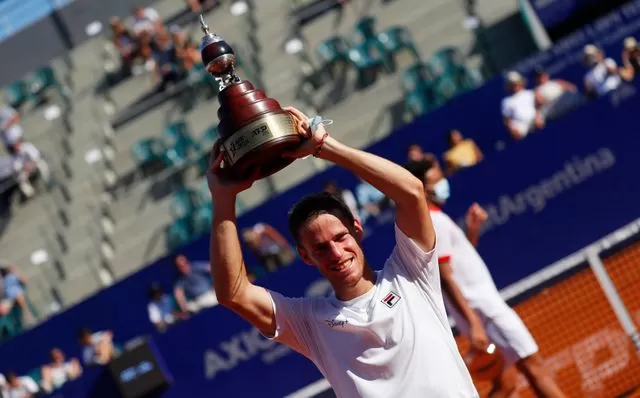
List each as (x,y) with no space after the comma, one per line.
(441,191)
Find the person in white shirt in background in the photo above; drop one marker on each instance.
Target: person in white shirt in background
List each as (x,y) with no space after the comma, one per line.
(97,348)
(603,75)
(10,129)
(144,20)
(18,387)
(556,97)
(381,334)
(59,371)
(29,164)
(471,296)
(520,109)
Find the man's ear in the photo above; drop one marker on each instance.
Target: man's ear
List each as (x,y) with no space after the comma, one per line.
(358,230)
(304,255)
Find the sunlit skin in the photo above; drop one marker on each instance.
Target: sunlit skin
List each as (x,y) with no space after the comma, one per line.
(327,243)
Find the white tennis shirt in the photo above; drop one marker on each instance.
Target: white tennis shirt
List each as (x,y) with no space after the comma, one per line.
(393,341)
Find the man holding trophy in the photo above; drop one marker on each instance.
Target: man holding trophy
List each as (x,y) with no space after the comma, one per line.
(383,333)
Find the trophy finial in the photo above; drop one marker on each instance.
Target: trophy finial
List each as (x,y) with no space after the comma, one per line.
(203,25)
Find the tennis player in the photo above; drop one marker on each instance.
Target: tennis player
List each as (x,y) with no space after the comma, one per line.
(383,334)
(471,296)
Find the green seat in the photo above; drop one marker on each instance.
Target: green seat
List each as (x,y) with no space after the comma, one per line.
(445,61)
(11,324)
(179,153)
(415,77)
(175,132)
(201,220)
(41,80)
(417,103)
(36,375)
(182,203)
(209,137)
(147,150)
(178,234)
(16,94)
(365,30)
(366,63)
(333,50)
(395,40)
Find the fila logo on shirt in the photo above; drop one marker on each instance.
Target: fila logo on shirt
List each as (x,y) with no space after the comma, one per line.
(391,299)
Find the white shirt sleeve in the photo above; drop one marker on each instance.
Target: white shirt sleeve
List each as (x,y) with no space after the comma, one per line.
(506,110)
(292,326)
(610,63)
(154,313)
(411,260)
(29,384)
(151,14)
(30,152)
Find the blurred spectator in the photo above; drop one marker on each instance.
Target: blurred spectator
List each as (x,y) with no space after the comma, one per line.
(125,42)
(415,153)
(519,108)
(59,371)
(555,97)
(97,348)
(18,387)
(166,58)
(463,152)
(196,5)
(346,195)
(192,290)
(630,59)
(10,129)
(371,200)
(161,309)
(29,165)
(269,246)
(145,20)
(603,75)
(14,293)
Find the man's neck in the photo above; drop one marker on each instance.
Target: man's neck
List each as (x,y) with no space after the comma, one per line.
(365,284)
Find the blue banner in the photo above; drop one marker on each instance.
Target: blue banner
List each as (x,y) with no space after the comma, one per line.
(554,12)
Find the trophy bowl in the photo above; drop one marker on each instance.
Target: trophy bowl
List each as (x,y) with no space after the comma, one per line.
(254,129)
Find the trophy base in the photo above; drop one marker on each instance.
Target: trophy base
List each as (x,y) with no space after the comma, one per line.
(259,146)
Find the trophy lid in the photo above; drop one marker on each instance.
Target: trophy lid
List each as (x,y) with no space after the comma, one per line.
(208,38)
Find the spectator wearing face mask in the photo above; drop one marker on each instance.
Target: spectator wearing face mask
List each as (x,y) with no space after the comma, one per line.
(519,108)
(630,59)
(602,75)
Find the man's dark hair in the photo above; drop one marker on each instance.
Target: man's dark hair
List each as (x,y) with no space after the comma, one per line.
(314,205)
(83,332)
(419,168)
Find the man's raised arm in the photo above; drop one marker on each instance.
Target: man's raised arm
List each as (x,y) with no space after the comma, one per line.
(412,213)
(231,283)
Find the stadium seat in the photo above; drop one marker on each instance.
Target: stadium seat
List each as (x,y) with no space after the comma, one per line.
(178,233)
(333,51)
(201,220)
(395,40)
(209,137)
(366,64)
(182,203)
(445,61)
(415,77)
(175,132)
(16,94)
(147,151)
(365,30)
(11,324)
(43,79)
(417,103)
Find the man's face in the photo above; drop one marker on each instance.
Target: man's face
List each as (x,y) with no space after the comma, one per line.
(183,265)
(139,12)
(327,243)
(57,356)
(415,153)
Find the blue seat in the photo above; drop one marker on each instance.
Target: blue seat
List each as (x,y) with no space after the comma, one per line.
(417,103)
